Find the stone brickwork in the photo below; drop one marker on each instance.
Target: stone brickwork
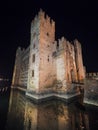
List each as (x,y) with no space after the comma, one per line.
(91,91)
(24,67)
(79,61)
(92,75)
(20,74)
(48,65)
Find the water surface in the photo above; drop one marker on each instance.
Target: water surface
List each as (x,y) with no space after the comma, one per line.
(19,113)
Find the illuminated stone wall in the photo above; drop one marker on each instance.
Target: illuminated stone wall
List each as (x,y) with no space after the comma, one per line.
(20,74)
(34,59)
(24,68)
(65,62)
(79,61)
(69,64)
(91,91)
(47,47)
(46,63)
(16,72)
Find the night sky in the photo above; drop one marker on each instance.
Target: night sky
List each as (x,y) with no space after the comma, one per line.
(74,19)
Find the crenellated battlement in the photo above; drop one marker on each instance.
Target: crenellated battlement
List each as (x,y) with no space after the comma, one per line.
(43,25)
(64,43)
(41,13)
(42,16)
(77,44)
(92,75)
(34,21)
(20,50)
(60,41)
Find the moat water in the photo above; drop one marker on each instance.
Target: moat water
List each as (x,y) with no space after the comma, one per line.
(19,113)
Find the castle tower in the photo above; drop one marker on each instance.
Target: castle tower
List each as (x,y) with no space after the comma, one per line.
(41,64)
(71,73)
(16,72)
(79,61)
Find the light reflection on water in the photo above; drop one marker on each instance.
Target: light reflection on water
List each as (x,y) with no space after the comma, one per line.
(23,114)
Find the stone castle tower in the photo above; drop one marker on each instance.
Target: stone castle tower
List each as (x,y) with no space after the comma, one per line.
(41,62)
(48,65)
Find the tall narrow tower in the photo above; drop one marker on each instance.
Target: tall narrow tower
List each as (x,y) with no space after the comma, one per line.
(79,61)
(16,72)
(41,72)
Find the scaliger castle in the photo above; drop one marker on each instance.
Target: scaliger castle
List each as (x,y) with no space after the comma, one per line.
(48,68)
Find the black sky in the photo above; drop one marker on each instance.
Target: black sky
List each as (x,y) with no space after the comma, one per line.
(74,19)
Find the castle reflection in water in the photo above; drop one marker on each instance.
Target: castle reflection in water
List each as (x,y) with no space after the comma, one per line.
(23,114)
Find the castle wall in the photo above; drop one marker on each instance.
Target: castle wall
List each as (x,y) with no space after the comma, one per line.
(46,62)
(24,68)
(70,63)
(47,47)
(34,59)
(16,72)
(60,61)
(20,74)
(79,61)
(65,63)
